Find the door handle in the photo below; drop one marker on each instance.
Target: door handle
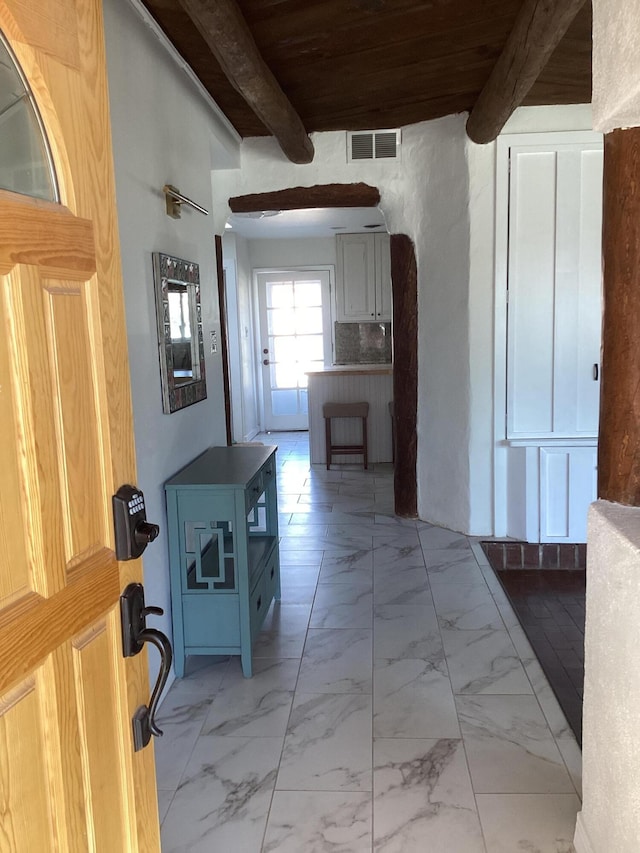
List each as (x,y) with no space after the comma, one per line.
(265,361)
(135,634)
(596,372)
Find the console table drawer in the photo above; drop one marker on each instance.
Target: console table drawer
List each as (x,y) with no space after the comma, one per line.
(253,491)
(272,575)
(258,606)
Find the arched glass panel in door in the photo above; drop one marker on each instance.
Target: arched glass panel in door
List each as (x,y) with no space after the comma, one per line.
(26,165)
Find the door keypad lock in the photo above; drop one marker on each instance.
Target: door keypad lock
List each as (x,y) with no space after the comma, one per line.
(133,531)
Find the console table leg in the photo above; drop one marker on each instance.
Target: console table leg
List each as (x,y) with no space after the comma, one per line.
(247,669)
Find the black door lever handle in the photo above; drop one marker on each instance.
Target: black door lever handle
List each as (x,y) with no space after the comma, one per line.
(135,634)
(162,644)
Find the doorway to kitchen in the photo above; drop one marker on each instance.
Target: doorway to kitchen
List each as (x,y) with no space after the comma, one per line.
(294,329)
(405,314)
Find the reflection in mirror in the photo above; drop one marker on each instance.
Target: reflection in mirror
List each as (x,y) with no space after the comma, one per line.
(180,328)
(180,340)
(26,165)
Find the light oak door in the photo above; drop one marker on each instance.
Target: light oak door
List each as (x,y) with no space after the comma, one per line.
(69,778)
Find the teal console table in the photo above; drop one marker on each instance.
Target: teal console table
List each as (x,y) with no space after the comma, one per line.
(223,551)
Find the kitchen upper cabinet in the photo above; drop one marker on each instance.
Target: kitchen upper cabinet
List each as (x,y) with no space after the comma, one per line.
(363,287)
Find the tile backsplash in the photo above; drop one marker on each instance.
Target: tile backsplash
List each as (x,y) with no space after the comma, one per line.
(363,343)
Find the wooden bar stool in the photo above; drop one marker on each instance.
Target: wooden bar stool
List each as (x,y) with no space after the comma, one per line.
(345,410)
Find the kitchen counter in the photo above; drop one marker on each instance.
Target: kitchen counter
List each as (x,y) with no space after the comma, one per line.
(354,370)
(351,383)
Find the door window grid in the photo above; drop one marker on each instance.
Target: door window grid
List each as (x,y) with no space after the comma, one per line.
(295,340)
(26,164)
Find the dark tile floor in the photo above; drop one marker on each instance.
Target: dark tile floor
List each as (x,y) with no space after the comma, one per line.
(550,604)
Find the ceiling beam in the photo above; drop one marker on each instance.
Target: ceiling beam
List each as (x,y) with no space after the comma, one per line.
(229,38)
(304,198)
(538,30)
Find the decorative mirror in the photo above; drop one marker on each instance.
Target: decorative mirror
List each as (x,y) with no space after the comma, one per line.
(180,340)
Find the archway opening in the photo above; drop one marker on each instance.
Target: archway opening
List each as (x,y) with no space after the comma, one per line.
(404,282)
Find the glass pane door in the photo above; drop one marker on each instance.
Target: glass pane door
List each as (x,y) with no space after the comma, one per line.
(292,342)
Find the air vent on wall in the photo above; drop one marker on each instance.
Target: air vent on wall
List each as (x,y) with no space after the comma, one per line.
(373,145)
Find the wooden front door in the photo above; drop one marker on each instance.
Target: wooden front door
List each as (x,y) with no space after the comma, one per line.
(69,778)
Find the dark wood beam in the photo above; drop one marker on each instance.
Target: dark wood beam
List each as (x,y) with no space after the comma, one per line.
(619,440)
(224,339)
(303,198)
(404,280)
(229,38)
(538,30)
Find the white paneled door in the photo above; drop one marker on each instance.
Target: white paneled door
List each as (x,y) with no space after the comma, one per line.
(554,313)
(553,222)
(293,330)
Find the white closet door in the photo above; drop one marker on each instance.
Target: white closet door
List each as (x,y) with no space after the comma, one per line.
(553,342)
(567,486)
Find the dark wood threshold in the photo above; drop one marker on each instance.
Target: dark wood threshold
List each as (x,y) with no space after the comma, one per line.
(550,606)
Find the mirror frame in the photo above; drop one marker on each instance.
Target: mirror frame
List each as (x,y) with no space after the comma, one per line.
(166,270)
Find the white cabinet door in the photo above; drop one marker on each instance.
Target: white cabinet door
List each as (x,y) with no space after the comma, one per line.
(554,309)
(567,487)
(384,304)
(363,288)
(356,285)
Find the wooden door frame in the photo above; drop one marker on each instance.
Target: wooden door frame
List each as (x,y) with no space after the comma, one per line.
(224,340)
(404,282)
(61,631)
(618,453)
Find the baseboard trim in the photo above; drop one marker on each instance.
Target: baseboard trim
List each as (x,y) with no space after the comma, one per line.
(581,839)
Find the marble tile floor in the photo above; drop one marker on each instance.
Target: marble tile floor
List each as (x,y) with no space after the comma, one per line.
(396,704)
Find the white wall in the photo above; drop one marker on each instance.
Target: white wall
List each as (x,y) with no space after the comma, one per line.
(425,196)
(481,164)
(610,816)
(616,64)
(163,132)
(442,251)
(276,254)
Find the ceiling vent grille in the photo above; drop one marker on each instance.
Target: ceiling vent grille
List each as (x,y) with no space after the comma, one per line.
(373,145)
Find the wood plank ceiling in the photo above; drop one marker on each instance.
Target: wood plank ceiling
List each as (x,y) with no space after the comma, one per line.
(371,64)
